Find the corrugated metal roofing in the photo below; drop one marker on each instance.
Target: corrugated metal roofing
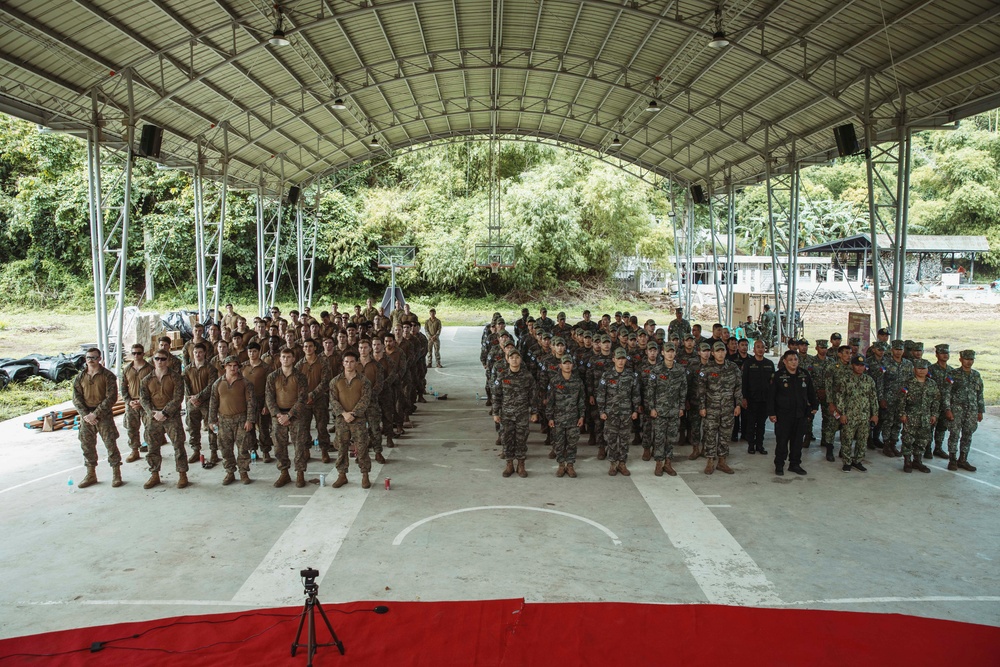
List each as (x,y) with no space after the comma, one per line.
(575,71)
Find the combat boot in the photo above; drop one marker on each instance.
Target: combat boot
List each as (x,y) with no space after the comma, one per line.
(647,453)
(613,470)
(154,480)
(592,440)
(341,480)
(601,453)
(133,457)
(379,458)
(570,471)
(300,479)
(896,451)
(215,457)
(829,453)
(509,470)
(267,456)
(521,472)
(245,477)
(963,463)
(388,441)
(552,453)
(283,478)
(695,453)
(229,478)
(928,454)
(918,464)
(182,480)
(750,448)
(89,480)
(325,457)
(561,470)
(498,440)
(658,471)
(907,465)
(116,477)
(952,463)
(723,466)
(669,468)
(365,482)
(195,455)
(939,453)
(623,469)
(709,465)
(887,451)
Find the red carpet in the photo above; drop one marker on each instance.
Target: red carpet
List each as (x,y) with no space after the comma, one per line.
(513,633)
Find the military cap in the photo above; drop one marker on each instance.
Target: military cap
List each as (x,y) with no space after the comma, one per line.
(652,345)
(660,332)
(669,347)
(918,346)
(897,344)
(505,334)
(823,344)
(231,359)
(578,331)
(880,345)
(908,344)
(588,334)
(509,343)
(651,321)
(967,354)
(641,332)
(836,336)
(530,320)
(704,347)
(545,334)
(496,316)
(689,336)
(679,310)
(618,313)
(500,320)
(620,353)
(858,359)
(674,336)
(718,345)
(625,314)
(943,348)
(567,357)
(854,340)
(883,332)
(561,316)
(513,352)
(632,336)
(921,363)
(558,340)
(606,338)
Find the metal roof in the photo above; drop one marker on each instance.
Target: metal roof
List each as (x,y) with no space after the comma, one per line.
(577,72)
(914,244)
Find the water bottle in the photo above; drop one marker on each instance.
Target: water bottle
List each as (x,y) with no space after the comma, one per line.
(70,485)
(253,456)
(322,479)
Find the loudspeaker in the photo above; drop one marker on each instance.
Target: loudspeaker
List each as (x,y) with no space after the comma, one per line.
(698,194)
(149,143)
(293,195)
(847,140)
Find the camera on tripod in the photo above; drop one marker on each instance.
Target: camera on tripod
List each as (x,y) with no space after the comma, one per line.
(309,580)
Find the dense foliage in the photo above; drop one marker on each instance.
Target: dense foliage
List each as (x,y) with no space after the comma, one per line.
(572,217)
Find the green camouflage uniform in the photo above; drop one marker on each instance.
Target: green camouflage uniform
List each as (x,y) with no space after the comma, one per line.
(596,367)
(285,435)
(665,391)
(232,432)
(855,398)
(819,369)
(617,397)
(836,372)
(964,397)
(156,432)
(681,327)
(897,373)
(515,401)
(357,431)
(940,377)
(567,403)
(919,402)
(129,391)
(720,390)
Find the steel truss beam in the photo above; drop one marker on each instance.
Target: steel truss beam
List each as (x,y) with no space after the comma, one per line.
(683,298)
(110,200)
(209,226)
(271,211)
(306,230)
(783,237)
(723,209)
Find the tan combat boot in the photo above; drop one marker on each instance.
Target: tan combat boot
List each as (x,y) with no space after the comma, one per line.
(647,453)
(300,479)
(695,453)
(601,453)
(283,478)
(365,482)
(622,469)
(669,468)
(552,453)
(561,471)
(659,469)
(570,471)
(379,458)
(215,457)
(388,441)
(133,457)
(154,480)
(116,477)
(723,466)
(195,456)
(509,470)
(709,465)
(341,480)
(521,472)
(89,480)
(325,458)
(182,480)
(613,470)
(228,479)
(245,477)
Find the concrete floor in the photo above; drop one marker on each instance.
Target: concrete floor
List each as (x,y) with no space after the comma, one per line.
(452,528)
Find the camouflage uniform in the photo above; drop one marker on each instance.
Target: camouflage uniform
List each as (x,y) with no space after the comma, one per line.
(665,392)
(515,401)
(875,368)
(290,434)
(618,397)
(198,381)
(897,373)
(855,397)
(131,379)
(96,394)
(171,384)
(940,376)
(567,403)
(433,326)
(695,422)
(647,372)
(680,327)
(376,376)
(918,402)
(232,428)
(719,391)
(261,433)
(357,431)
(836,373)
(596,367)
(317,406)
(964,397)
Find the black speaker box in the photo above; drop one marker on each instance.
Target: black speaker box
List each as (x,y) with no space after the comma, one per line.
(698,194)
(847,140)
(149,142)
(293,195)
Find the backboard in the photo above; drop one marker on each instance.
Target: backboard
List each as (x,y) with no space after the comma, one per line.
(398,256)
(495,257)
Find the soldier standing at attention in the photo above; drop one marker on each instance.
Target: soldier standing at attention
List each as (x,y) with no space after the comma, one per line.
(791,402)
(372,369)
(231,413)
(161,395)
(663,399)
(132,376)
(719,399)
(964,408)
(618,405)
(678,325)
(514,399)
(370,311)
(433,326)
(647,370)
(230,318)
(836,372)
(855,404)
(940,372)
(187,352)
(317,372)
(285,396)
(875,358)
(898,370)
(566,403)
(198,379)
(95,391)
(919,407)
(756,385)
(385,397)
(695,420)
(255,372)
(350,394)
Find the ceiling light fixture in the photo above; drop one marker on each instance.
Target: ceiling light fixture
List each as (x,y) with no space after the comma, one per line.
(615,143)
(719,40)
(339,105)
(653,107)
(278,36)
(374,142)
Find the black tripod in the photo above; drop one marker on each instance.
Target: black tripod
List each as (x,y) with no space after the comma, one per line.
(309,611)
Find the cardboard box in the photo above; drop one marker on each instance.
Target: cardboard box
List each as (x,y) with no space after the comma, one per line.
(176,342)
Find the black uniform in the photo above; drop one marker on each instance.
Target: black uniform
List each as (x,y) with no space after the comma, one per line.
(756,386)
(741,425)
(791,399)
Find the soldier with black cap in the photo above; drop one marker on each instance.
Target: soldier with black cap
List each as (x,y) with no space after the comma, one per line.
(882,336)
(964,407)
(855,405)
(562,329)
(941,372)
(543,321)
(791,402)
(521,326)
(835,339)
(756,381)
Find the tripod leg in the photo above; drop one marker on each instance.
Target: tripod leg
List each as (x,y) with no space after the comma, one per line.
(298,633)
(336,640)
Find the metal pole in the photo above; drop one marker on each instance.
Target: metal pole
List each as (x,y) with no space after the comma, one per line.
(793,240)
(730,249)
(689,258)
(300,255)
(261,266)
(872,203)
(197,184)
(392,286)
(276,265)
(715,256)
(126,217)
(222,218)
(770,230)
(904,207)
(94,194)
(677,251)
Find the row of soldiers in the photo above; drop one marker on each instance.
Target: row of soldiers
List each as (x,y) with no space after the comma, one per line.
(256,390)
(724,388)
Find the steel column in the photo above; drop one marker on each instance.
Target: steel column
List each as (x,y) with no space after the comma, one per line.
(681,300)
(689,249)
(730,247)
(715,256)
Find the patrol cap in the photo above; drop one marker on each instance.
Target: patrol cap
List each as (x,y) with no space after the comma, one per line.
(669,347)
(558,340)
(509,343)
(530,320)
(660,332)
(500,320)
(561,316)
(618,313)
(689,336)
(652,345)
(967,354)
(918,346)
(880,345)
(718,345)
(908,344)
(673,337)
(632,336)
(883,332)
(897,344)
(567,357)
(836,336)
(578,331)
(822,344)
(704,347)
(545,334)
(626,314)
(231,359)
(854,340)
(505,334)
(642,332)
(514,352)
(496,316)
(620,353)
(651,321)
(679,310)
(858,359)
(943,348)
(587,333)
(921,363)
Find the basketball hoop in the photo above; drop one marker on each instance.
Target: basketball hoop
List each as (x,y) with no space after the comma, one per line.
(494,267)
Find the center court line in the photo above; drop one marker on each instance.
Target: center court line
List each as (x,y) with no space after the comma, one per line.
(38,479)
(725,572)
(987,453)
(968,477)
(301,545)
